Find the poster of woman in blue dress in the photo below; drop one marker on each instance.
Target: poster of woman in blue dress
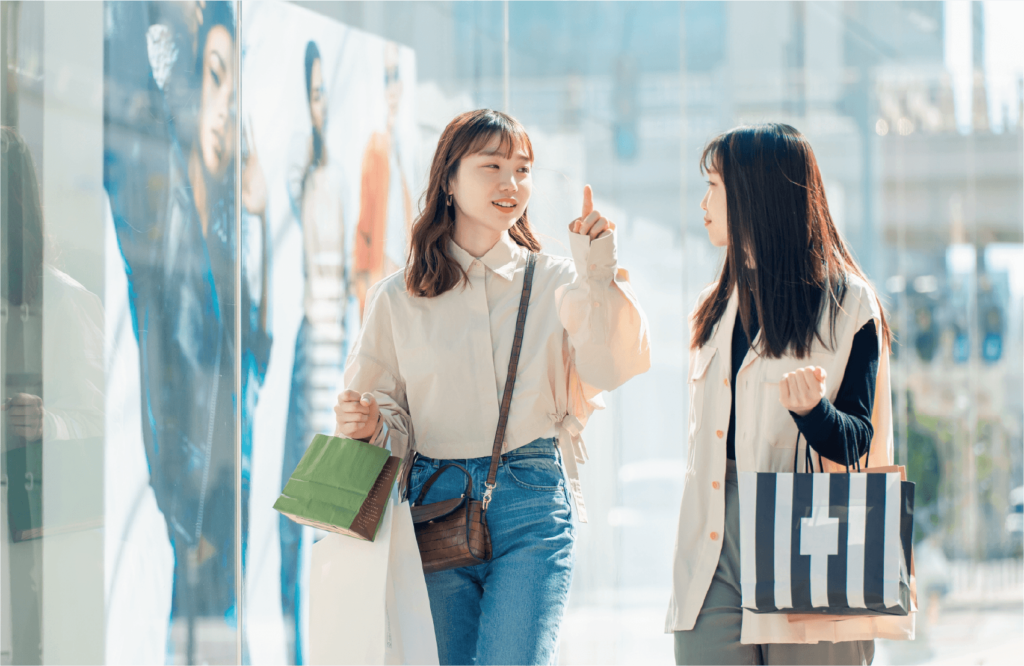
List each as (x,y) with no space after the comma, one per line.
(317,98)
(169,172)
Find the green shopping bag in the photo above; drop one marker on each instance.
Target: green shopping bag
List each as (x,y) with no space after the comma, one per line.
(340,485)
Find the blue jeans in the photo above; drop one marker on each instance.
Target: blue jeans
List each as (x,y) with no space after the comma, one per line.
(507,610)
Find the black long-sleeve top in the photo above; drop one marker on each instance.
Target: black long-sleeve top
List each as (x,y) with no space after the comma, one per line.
(840,431)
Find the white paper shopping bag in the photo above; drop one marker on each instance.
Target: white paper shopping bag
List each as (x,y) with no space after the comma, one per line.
(409,626)
(347,589)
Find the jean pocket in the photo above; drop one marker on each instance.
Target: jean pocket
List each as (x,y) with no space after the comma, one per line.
(418,475)
(535,472)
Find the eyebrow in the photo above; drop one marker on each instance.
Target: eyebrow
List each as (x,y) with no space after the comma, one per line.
(498,151)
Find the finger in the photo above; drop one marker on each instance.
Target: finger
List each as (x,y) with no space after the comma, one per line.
(588,200)
(348,396)
(368,399)
(820,374)
(589,221)
(809,384)
(352,408)
(599,228)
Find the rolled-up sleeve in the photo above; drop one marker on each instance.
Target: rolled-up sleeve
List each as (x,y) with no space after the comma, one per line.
(372,367)
(607,329)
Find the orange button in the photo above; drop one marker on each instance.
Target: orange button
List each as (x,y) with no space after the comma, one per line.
(714,484)
(714,536)
(726,382)
(719,433)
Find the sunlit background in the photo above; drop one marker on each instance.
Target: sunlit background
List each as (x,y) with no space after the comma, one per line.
(916,114)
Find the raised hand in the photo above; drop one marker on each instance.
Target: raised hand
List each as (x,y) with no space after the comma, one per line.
(800,391)
(356,415)
(590,222)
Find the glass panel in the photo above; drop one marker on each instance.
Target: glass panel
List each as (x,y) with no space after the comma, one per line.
(52,340)
(340,102)
(169,151)
(597,86)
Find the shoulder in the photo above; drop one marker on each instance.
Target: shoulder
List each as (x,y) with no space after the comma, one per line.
(70,291)
(861,300)
(704,295)
(388,290)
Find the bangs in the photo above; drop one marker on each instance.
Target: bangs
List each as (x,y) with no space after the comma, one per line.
(711,158)
(512,134)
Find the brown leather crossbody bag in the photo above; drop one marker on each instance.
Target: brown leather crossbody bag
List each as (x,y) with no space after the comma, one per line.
(453,533)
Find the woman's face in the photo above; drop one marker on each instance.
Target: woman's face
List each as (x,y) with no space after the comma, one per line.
(716,215)
(492,190)
(317,99)
(216,131)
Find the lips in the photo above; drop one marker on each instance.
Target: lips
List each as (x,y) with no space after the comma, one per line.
(706,221)
(505,204)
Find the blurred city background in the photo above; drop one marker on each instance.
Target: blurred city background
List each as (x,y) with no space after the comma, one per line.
(915,111)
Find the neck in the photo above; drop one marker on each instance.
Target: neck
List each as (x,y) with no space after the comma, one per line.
(474,238)
(199,193)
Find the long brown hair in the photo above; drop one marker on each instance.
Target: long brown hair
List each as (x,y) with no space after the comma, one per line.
(784,250)
(431,269)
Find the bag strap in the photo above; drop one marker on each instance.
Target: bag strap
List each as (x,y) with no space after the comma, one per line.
(433,477)
(510,379)
(808,457)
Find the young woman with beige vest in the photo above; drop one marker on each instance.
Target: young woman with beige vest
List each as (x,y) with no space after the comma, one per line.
(817,369)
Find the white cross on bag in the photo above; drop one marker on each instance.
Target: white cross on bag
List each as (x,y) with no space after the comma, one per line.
(819,538)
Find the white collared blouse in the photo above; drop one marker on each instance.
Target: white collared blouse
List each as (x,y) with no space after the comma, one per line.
(766,437)
(437,366)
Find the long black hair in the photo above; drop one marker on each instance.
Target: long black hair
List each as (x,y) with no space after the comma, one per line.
(784,251)
(21,231)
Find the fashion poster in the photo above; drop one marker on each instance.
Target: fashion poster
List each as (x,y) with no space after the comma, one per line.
(329,114)
(170,94)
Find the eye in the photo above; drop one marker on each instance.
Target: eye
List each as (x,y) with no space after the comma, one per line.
(216,79)
(525,169)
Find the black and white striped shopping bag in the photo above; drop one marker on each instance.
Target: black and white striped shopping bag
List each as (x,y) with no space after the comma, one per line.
(826,543)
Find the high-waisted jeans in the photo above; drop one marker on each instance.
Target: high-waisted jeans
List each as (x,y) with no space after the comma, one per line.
(507,610)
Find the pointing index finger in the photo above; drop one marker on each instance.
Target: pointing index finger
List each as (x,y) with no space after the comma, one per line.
(588,201)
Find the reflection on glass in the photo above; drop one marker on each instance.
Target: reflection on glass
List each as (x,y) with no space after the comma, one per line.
(170,179)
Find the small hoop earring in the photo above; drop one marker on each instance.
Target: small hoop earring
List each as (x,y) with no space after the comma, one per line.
(448,200)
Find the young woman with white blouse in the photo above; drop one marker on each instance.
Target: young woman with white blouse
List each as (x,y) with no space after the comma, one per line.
(429,368)
(817,368)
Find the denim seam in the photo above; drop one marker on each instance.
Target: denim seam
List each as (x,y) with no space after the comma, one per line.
(529,486)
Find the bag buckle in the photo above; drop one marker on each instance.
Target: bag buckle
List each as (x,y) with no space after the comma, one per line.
(489,488)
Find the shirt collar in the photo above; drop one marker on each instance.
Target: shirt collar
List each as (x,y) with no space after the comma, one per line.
(502,259)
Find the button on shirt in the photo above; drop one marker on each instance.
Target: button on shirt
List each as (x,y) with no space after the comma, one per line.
(437,366)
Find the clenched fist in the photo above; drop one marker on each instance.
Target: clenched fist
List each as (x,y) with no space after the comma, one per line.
(356,415)
(26,415)
(800,391)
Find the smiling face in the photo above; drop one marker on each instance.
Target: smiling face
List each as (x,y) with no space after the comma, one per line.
(216,135)
(492,189)
(716,214)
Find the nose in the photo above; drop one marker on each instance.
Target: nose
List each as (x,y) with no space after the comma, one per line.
(509,184)
(704,202)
